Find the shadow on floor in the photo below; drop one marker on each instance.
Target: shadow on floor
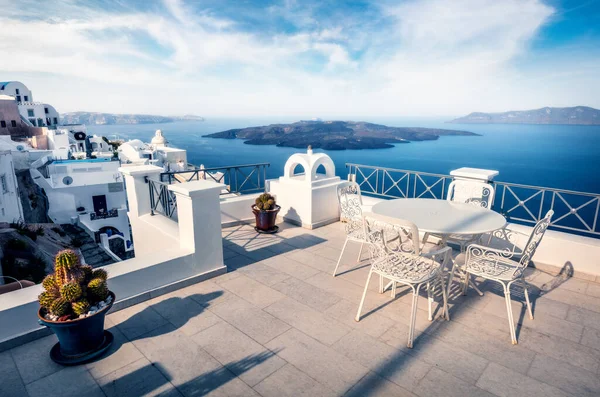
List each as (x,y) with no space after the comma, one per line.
(148,379)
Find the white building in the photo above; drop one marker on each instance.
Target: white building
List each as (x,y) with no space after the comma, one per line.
(38,114)
(89,192)
(157,152)
(10,204)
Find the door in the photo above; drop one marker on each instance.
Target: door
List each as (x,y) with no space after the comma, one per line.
(99,204)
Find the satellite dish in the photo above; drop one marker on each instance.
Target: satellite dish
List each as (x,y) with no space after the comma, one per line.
(20,148)
(80,136)
(67,180)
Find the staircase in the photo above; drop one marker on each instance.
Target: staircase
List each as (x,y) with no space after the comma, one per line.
(92,253)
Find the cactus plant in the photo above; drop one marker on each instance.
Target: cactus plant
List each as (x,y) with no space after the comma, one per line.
(80,307)
(71,291)
(73,288)
(97,289)
(265,202)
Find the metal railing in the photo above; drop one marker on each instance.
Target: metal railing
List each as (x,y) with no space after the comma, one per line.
(576,212)
(247,178)
(114,213)
(162,200)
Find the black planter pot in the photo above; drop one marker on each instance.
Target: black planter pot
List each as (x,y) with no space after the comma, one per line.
(81,340)
(266,219)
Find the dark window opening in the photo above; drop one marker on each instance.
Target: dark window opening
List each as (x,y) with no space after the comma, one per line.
(3,124)
(17,91)
(13,123)
(46,110)
(26,98)
(30,113)
(40,123)
(18,98)
(55,120)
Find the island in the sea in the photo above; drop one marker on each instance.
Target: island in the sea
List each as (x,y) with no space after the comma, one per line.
(334,135)
(94,118)
(577,115)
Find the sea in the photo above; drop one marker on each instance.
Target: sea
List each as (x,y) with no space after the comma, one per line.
(558,156)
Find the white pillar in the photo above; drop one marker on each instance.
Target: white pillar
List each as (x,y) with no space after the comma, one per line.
(138,191)
(476,174)
(199,220)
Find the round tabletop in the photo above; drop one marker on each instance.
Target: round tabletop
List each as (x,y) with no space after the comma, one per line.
(442,216)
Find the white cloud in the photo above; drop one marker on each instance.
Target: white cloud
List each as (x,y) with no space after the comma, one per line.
(424,58)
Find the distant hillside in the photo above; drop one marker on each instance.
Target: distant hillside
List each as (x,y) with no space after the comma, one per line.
(581,115)
(334,135)
(92,118)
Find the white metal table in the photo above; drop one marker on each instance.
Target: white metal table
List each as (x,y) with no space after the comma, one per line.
(442,216)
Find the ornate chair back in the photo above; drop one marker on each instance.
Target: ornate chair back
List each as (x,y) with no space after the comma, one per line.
(350,202)
(534,240)
(472,192)
(390,235)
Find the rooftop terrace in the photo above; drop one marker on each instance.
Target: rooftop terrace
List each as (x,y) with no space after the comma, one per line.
(278,324)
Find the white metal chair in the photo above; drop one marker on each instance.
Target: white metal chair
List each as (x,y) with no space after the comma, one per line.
(500,265)
(476,193)
(397,256)
(350,202)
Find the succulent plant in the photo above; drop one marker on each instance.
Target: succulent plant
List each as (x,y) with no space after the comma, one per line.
(80,307)
(97,289)
(73,288)
(99,273)
(265,202)
(46,299)
(60,307)
(71,291)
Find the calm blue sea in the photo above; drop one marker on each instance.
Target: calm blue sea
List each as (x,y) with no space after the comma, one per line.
(560,156)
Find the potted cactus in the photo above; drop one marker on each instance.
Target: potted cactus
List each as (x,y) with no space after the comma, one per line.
(73,305)
(265,210)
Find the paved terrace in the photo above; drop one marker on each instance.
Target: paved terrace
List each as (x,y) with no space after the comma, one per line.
(278,324)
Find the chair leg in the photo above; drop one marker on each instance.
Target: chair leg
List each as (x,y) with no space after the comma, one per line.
(526,293)
(466,284)
(445,298)
(394,290)
(362,300)
(429,301)
(340,258)
(451,279)
(381,288)
(360,252)
(413,317)
(425,237)
(511,323)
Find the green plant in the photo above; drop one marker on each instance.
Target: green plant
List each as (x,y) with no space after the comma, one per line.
(265,202)
(40,231)
(73,288)
(16,244)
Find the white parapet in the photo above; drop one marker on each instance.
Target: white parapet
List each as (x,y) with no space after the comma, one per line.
(478,174)
(308,198)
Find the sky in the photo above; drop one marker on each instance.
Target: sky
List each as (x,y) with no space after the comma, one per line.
(307,58)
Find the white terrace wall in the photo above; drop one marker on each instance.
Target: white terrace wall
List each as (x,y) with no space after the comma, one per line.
(169,254)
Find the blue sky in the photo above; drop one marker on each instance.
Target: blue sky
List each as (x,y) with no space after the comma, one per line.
(307,58)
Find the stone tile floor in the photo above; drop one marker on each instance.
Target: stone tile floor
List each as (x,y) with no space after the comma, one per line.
(278,324)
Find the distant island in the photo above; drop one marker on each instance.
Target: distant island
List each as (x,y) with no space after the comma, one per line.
(93,118)
(577,115)
(334,135)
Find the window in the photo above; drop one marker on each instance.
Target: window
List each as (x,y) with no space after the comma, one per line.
(18,98)
(3,124)
(46,110)
(48,121)
(55,120)
(30,113)
(13,123)
(17,91)
(40,123)
(3,183)
(26,98)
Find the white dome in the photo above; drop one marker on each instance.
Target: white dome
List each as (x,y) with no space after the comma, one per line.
(158,139)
